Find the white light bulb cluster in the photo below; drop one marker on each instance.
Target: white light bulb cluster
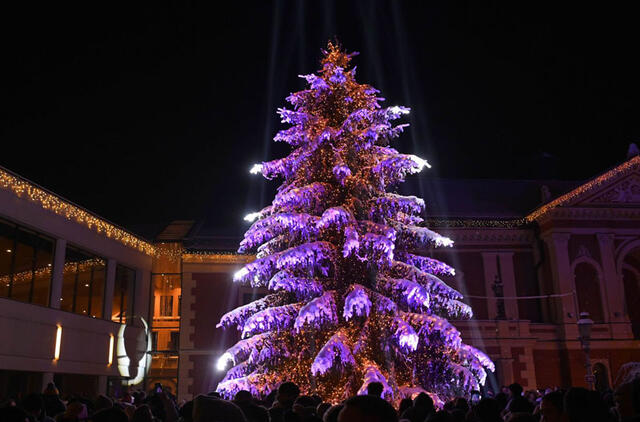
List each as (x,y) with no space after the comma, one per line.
(238,275)
(256,168)
(251,216)
(420,162)
(398,110)
(223,360)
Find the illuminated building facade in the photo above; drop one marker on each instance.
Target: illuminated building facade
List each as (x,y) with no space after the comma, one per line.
(560,248)
(74,292)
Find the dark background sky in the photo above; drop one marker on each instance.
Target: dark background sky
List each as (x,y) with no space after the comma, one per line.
(145,114)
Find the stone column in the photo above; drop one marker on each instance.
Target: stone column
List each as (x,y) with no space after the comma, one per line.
(508,277)
(504,366)
(109,289)
(57,274)
(187,333)
(545,305)
(490,271)
(613,289)
(142,294)
(563,281)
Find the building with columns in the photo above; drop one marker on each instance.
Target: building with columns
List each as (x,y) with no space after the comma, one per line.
(530,256)
(74,295)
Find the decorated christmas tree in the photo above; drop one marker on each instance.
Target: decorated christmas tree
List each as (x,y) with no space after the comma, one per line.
(353,297)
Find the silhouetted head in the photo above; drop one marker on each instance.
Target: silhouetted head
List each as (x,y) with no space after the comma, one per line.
(404,405)
(142,414)
(243,396)
(582,405)
(551,407)
(331,415)
(367,409)
(424,401)
(288,392)
(33,404)
(110,415)
(375,389)
(515,390)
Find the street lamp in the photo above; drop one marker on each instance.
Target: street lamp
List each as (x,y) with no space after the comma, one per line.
(584,328)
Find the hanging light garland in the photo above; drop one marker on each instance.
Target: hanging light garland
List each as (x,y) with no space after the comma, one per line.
(585,188)
(469,223)
(27,190)
(217,257)
(69,268)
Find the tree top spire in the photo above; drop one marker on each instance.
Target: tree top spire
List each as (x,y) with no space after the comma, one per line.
(336,55)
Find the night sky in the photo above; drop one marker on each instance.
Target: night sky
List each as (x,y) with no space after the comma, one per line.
(148,114)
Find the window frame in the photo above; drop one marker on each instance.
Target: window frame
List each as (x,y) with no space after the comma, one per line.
(76,279)
(37,246)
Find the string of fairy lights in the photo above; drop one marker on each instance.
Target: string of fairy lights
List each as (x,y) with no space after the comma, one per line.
(585,188)
(45,271)
(27,190)
(53,203)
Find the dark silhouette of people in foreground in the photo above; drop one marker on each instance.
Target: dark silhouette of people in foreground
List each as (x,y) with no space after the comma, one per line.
(286,404)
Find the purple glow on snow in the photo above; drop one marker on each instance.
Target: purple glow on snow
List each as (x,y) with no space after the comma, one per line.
(308,197)
(341,172)
(415,295)
(277,318)
(317,312)
(315,82)
(379,246)
(302,287)
(258,271)
(294,117)
(335,217)
(433,325)
(239,315)
(384,305)
(428,265)
(242,349)
(336,347)
(356,303)
(294,136)
(390,204)
(435,286)
(373,374)
(338,76)
(351,242)
(312,257)
(405,335)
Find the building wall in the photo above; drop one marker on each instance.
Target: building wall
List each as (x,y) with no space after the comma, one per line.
(84,348)
(208,293)
(532,341)
(536,344)
(85,341)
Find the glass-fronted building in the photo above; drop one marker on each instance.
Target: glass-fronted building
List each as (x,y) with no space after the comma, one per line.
(74,295)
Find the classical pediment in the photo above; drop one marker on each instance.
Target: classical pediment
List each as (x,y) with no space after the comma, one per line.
(625,191)
(617,188)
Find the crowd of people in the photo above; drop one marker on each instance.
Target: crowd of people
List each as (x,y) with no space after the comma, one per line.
(286,404)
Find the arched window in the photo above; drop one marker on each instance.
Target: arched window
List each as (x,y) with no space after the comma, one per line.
(632,297)
(587,283)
